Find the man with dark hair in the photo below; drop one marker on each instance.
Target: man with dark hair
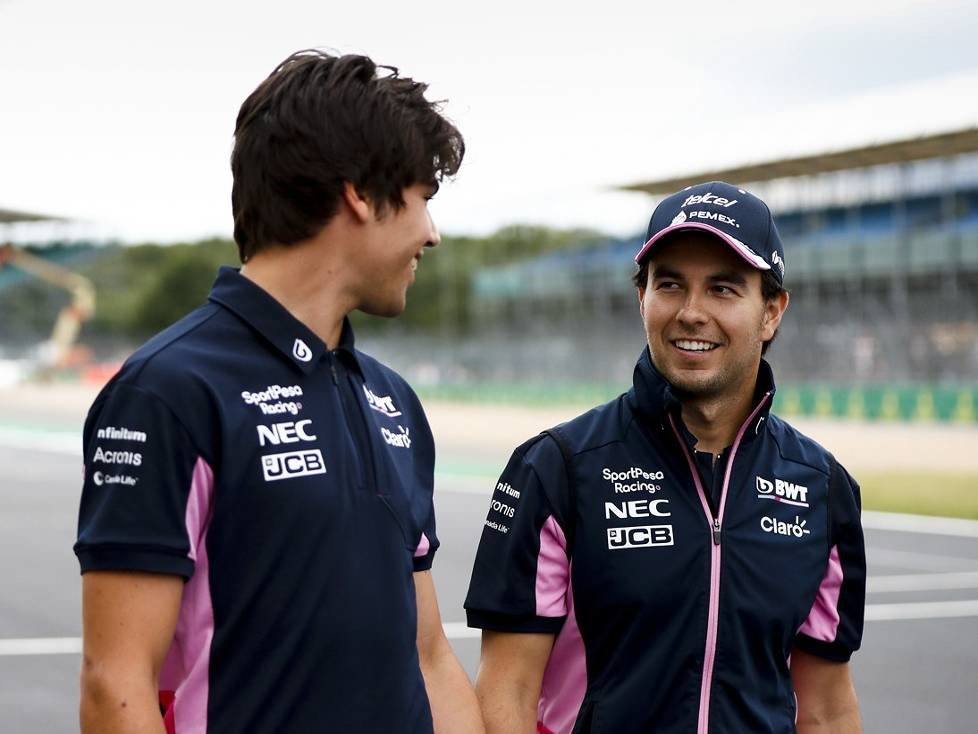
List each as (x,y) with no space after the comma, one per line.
(679,559)
(256,528)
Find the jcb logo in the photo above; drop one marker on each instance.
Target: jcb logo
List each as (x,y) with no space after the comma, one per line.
(292,464)
(639,537)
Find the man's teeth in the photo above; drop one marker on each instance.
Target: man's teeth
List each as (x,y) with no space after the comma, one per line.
(693,346)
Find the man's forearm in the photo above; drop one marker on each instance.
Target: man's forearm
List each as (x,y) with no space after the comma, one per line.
(454,707)
(845,722)
(108,708)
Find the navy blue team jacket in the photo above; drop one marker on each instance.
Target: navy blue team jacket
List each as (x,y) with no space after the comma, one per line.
(671,616)
(292,487)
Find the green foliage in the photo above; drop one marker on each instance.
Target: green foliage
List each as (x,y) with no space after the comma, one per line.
(143,288)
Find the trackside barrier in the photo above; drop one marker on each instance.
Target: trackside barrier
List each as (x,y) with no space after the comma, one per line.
(944,404)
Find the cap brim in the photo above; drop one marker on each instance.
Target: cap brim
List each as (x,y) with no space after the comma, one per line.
(747,254)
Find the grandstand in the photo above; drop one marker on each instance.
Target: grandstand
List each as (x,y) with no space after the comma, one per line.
(882,264)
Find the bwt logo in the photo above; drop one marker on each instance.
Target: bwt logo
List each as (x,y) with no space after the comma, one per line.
(782,491)
(639,537)
(381,403)
(292,464)
(287,432)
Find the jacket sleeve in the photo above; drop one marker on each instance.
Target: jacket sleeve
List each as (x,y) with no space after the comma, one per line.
(522,569)
(147,490)
(834,627)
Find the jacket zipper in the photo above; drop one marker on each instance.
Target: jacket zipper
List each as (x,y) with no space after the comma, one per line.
(715,524)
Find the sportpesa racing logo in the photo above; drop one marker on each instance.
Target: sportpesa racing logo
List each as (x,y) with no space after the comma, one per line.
(633,479)
(270,400)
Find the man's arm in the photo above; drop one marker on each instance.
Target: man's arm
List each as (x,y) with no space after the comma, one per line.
(128,620)
(510,675)
(827,701)
(453,704)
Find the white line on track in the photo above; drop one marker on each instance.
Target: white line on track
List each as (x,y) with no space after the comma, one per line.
(459,631)
(920,524)
(922,582)
(922,610)
(917,561)
(41,646)
(73,645)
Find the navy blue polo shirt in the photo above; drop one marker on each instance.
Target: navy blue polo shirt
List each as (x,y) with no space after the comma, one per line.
(291,486)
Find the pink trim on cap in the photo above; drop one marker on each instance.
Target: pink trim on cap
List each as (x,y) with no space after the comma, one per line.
(186,670)
(553,572)
(747,254)
(565,677)
(424,545)
(823,619)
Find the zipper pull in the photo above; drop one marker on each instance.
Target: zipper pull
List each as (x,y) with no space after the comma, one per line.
(716,531)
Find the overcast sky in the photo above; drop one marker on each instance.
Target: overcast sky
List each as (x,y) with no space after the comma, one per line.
(121,113)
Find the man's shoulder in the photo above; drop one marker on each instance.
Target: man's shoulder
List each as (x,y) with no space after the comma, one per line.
(796,446)
(599,426)
(172,365)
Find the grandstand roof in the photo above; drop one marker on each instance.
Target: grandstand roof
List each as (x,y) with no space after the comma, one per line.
(900,151)
(8,216)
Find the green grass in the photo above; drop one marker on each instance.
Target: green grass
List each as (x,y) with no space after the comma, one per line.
(921,493)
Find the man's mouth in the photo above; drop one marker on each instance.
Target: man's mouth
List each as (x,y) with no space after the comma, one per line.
(694,345)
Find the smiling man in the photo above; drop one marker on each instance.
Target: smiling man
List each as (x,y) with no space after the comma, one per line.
(256,529)
(679,559)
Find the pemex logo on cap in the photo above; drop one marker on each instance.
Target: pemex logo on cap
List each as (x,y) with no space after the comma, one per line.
(679,218)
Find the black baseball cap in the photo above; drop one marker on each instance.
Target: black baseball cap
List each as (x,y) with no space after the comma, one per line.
(737,217)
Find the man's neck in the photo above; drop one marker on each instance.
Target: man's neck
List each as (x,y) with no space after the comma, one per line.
(308,283)
(714,421)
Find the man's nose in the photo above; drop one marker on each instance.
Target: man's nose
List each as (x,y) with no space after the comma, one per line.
(692,311)
(434,237)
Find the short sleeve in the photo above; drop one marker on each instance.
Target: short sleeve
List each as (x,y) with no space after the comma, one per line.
(147,491)
(424,554)
(521,572)
(834,627)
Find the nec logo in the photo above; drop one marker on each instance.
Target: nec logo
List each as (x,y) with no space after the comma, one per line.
(287,432)
(636,508)
(292,464)
(782,491)
(709,198)
(639,537)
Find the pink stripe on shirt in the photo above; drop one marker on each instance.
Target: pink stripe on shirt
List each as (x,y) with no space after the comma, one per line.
(187,667)
(823,619)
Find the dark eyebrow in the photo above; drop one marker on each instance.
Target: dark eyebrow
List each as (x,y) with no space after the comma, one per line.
(729,277)
(661,271)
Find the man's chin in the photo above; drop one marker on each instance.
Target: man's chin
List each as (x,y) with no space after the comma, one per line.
(387,310)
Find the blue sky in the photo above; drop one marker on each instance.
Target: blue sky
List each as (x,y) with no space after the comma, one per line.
(120,114)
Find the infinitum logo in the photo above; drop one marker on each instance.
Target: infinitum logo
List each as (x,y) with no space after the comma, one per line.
(782,491)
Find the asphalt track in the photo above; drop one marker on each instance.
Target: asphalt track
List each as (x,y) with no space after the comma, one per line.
(915,673)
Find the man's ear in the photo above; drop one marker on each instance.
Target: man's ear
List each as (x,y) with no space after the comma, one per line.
(773,311)
(359,205)
(641,301)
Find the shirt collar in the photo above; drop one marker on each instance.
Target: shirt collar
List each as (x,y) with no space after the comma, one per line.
(655,400)
(257,308)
